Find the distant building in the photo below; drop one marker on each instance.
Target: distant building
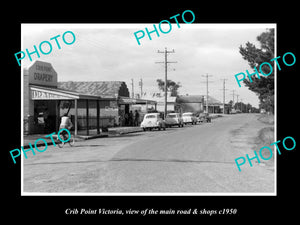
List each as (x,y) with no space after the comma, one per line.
(186,103)
(214,105)
(197,104)
(191,103)
(159,97)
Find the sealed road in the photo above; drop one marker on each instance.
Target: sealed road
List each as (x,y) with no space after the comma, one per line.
(193,159)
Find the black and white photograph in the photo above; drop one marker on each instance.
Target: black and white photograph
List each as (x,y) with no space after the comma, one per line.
(148,115)
(149,111)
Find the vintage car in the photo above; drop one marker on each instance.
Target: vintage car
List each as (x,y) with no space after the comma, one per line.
(204,117)
(153,120)
(174,119)
(189,117)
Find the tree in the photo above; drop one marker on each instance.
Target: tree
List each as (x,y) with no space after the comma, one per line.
(230,105)
(172,86)
(263,87)
(244,108)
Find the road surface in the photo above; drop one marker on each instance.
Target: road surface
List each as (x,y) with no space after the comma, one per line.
(195,159)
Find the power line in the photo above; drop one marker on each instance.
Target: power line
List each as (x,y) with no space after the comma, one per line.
(166,72)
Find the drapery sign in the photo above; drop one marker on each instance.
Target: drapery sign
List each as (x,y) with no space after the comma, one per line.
(41,95)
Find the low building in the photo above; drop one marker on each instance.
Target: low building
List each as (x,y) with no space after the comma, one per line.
(44,101)
(159,98)
(91,105)
(191,103)
(186,103)
(120,103)
(214,105)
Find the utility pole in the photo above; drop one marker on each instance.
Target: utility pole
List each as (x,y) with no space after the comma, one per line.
(132,88)
(224,94)
(233,99)
(166,76)
(207,90)
(237,101)
(141,86)
(241,106)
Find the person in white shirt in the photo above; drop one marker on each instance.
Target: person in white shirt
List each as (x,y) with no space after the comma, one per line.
(65,123)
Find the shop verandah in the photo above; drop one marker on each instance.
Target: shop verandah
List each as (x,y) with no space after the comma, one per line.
(89,114)
(129,105)
(51,103)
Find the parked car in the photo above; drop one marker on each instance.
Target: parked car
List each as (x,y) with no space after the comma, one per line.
(153,120)
(189,117)
(204,117)
(174,119)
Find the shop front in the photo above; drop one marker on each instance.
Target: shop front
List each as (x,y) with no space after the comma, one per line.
(128,106)
(44,102)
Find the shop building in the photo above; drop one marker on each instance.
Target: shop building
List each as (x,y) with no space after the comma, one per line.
(44,101)
(119,103)
(159,98)
(91,105)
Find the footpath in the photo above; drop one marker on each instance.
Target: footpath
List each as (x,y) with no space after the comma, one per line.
(113,131)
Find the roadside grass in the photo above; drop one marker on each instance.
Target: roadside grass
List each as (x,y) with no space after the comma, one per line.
(267,119)
(265,138)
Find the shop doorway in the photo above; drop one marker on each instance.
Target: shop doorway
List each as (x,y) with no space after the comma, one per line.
(44,116)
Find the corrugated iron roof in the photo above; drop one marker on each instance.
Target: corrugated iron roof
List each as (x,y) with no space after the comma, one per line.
(110,89)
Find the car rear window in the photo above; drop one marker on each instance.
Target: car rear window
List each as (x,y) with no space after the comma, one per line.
(172,116)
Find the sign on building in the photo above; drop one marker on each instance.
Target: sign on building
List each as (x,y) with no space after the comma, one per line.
(42,74)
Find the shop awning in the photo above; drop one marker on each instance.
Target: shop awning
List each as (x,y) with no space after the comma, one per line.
(135,101)
(47,93)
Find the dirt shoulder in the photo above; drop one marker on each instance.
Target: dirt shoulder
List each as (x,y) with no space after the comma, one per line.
(266,137)
(253,135)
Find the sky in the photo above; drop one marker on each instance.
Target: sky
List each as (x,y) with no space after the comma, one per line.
(110,52)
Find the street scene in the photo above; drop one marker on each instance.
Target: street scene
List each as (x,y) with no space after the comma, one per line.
(195,158)
(164,117)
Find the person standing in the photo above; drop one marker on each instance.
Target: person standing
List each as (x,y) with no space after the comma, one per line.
(46,120)
(136,118)
(130,118)
(126,119)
